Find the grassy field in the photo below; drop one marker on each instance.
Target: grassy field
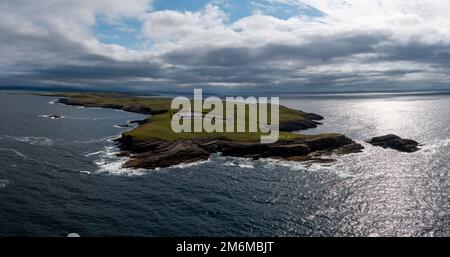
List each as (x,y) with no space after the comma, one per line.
(159,126)
(94,99)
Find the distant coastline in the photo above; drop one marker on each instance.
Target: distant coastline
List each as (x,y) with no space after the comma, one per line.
(319,94)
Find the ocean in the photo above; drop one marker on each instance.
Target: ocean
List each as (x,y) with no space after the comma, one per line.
(61,176)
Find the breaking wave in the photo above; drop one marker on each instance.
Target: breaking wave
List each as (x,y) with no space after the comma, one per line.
(188,165)
(109,162)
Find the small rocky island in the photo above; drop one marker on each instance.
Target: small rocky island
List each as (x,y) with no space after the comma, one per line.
(395,142)
(154,145)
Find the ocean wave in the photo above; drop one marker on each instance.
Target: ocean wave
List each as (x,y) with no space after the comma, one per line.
(248,163)
(243,163)
(312,165)
(94,153)
(44,141)
(110,163)
(25,157)
(188,165)
(104,139)
(15,152)
(124,126)
(4,183)
(113,138)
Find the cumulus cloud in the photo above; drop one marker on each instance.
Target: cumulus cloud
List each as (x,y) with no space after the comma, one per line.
(353,45)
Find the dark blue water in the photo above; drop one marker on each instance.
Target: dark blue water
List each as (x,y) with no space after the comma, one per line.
(61,176)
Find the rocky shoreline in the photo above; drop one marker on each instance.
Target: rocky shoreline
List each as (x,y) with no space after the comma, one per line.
(152,154)
(160,154)
(155,153)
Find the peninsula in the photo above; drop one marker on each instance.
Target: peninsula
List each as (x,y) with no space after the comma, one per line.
(153,144)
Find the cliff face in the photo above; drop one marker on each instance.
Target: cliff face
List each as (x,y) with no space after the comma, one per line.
(155,154)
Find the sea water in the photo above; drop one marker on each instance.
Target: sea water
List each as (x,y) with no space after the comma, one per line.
(61,176)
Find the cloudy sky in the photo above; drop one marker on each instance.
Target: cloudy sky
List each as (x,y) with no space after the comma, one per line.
(222,45)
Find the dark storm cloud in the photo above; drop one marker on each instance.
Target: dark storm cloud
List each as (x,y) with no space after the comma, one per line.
(46,44)
(320,50)
(436,54)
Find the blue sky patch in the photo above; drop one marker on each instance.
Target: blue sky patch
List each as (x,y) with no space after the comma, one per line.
(126,32)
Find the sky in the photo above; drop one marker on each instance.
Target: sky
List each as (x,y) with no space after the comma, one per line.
(261,46)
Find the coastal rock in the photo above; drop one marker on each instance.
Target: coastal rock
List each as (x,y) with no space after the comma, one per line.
(157,154)
(123,154)
(168,154)
(395,142)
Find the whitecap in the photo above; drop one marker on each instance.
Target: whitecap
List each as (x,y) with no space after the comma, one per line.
(298,166)
(94,153)
(15,152)
(245,163)
(113,138)
(246,166)
(188,165)
(110,163)
(26,158)
(241,163)
(122,126)
(116,168)
(104,139)
(43,141)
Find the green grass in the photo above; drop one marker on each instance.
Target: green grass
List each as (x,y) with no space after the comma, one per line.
(159,126)
(88,99)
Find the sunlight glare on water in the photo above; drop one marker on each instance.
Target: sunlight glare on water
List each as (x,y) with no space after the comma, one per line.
(62,176)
